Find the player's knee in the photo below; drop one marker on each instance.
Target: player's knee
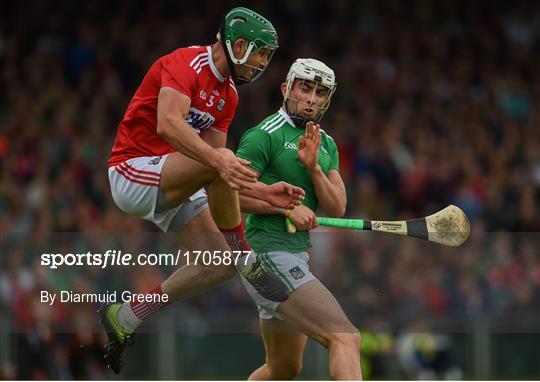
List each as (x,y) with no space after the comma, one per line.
(285,370)
(349,338)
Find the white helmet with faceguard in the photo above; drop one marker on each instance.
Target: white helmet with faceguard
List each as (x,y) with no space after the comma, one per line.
(318,74)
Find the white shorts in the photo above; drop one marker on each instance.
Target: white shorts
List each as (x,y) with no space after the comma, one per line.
(135,190)
(293,271)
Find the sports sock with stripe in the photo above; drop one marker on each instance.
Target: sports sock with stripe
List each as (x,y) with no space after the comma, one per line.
(236,238)
(132,314)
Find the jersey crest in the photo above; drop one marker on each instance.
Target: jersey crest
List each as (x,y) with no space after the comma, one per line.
(221,104)
(323,149)
(297,273)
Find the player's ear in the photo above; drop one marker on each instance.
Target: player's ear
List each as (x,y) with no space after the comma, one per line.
(283,89)
(239,47)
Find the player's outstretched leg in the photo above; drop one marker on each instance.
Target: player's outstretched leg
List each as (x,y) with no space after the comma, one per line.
(121,320)
(181,177)
(192,279)
(315,311)
(284,345)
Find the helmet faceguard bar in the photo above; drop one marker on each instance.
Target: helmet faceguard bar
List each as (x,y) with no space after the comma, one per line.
(317,75)
(257,32)
(293,105)
(256,69)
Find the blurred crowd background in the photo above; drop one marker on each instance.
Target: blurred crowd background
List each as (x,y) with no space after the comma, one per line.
(437,103)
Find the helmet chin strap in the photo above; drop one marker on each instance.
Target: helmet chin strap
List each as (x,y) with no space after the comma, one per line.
(299,122)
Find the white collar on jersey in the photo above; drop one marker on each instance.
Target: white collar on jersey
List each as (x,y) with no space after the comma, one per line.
(284,114)
(212,66)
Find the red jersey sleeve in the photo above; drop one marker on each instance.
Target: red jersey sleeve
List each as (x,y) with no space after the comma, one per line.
(177,74)
(225,122)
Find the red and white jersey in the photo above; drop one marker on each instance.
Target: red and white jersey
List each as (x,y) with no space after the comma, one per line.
(192,72)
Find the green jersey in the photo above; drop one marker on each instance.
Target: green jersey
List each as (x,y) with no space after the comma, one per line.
(272,149)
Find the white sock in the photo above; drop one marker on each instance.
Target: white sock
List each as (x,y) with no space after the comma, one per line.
(127,318)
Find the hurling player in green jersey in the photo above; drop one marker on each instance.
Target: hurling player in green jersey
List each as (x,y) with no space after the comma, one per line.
(290,146)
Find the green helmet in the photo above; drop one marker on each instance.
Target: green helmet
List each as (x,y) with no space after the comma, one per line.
(258,32)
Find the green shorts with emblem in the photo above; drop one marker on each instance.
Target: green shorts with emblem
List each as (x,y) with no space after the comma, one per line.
(292,270)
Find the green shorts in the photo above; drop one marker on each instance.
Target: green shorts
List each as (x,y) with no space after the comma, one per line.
(292,270)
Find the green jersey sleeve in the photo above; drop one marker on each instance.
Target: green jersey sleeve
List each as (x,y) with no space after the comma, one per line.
(255,146)
(334,156)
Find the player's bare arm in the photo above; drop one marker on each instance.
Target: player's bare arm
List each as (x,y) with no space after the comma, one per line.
(267,199)
(270,196)
(173,107)
(273,194)
(256,206)
(330,190)
(302,217)
(215,138)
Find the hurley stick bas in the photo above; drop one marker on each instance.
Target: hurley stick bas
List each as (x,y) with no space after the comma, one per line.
(448,226)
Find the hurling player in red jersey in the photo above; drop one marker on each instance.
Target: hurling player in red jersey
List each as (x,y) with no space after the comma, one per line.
(170,145)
